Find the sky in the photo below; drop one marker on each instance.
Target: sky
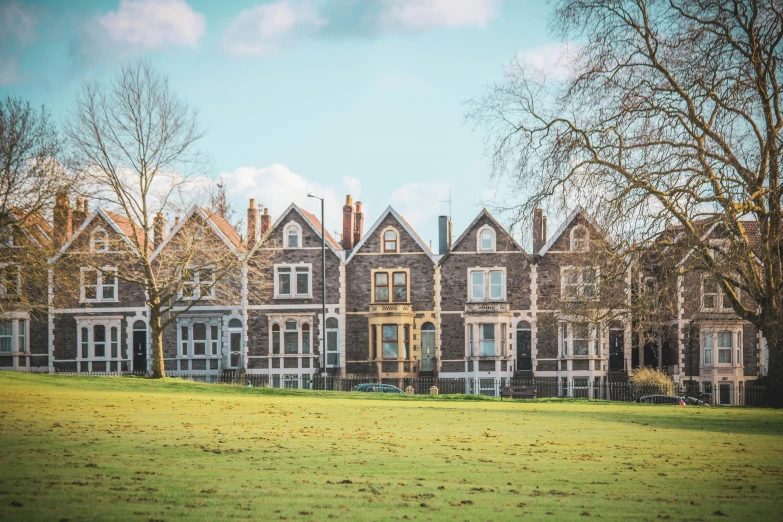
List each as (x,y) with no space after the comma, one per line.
(335,97)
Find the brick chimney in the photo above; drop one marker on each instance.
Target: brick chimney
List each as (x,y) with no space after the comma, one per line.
(266,221)
(539,230)
(252,224)
(444,234)
(358,229)
(159,229)
(79,214)
(349,223)
(62,215)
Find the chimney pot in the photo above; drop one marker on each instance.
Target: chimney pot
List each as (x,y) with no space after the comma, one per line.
(266,221)
(252,224)
(349,224)
(159,229)
(358,224)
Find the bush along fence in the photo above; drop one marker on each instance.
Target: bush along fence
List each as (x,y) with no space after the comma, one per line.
(724,394)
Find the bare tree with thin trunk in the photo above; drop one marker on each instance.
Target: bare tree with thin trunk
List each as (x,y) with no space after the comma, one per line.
(670,117)
(136,141)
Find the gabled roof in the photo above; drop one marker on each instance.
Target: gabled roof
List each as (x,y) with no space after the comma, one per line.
(752,230)
(559,232)
(120,224)
(217,223)
(315,225)
(485,212)
(405,225)
(34,225)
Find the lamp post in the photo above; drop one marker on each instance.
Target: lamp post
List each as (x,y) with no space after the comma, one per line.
(323,282)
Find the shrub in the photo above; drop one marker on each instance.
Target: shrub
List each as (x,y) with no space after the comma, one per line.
(652,381)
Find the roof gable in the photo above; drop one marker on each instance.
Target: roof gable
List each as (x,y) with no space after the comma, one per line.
(119,224)
(309,219)
(404,224)
(577,212)
(216,223)
(475,225)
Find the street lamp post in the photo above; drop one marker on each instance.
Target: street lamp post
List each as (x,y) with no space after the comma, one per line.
(323,282)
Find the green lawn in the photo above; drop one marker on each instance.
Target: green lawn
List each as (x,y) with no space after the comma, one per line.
(86,448)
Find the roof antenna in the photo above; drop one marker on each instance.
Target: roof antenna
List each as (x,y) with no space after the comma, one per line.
(447,201)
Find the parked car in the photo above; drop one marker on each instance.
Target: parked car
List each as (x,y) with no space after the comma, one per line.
(378,388)
(663,399)
(693,401)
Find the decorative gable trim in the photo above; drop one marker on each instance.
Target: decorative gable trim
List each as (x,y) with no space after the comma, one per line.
(195,209)
(284,220)
(99,212)
(485,212)
(404,224)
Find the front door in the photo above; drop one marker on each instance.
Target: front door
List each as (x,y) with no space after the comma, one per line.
(428,348)
(616,350)
(724,394)
(140,350)
(524,359)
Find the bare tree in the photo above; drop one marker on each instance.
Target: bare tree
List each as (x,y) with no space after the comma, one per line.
(30,176)
(136,141)
(671,117)
(218,201)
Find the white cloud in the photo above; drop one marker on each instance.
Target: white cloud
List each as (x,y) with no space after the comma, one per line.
(430,14)
(555,62)
(276,187)
(17,30)
(266,29)
(417,202)
(152,24)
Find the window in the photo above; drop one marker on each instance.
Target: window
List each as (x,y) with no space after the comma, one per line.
(291,337)
(293,281)
(390,344)
(487,340)
(470,341)
(713,297)
(6,337)
(406,341)
(98,338)
(564,337)
(305,338)
(98,285)
(486,239)
(292,236)
(579,282)
(332,342)
(234,343)
(580,338)
(10,280)
(579,239)
(381,286)
(486,284)
(596,341)
(21,328)
(7,237)
(99,241)
(198,283)
(724,347)
(400,287)
(199,337)
(275,338)
(708,349)
(727,343)
(390,241)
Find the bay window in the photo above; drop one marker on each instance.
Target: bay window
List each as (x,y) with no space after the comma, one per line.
(199,337)
(722,347)
(98,338)
(487,340)
(389,341)
(291,336)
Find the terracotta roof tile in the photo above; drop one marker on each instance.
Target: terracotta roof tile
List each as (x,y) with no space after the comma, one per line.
(225,227)
(128,227)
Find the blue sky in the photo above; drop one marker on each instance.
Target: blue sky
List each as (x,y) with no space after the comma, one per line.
(334,96)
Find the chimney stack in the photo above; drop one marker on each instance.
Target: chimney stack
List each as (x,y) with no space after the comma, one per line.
(539,230)
(62,215)
(266,221)
(78,215)
(349,224)
(444,235)
(358,224)
(252,224)
(159,229)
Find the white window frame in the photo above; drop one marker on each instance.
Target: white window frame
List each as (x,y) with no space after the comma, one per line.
(90,323)
(494,339)
(580,286)
(213,346)
(4,288)
(99,246)
(493,239)
(566,337)
(293,225)
(20,336)
(487,284)
(300,321)
(572,240)
(335,334)
(735,350)
(195,283)
(396,241)
(720,294)
(293,294)
(232,331)
(99,293)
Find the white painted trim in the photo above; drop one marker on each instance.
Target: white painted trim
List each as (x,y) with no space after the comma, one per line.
(404,225)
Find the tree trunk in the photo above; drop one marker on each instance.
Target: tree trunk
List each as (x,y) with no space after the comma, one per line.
(773,332)
(158,370)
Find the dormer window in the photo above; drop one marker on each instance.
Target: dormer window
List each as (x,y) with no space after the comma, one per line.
(99,241)
(292,236)
(486,239)
(579,239)
(390,242)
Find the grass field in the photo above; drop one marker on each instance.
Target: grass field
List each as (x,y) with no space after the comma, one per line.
(86,448)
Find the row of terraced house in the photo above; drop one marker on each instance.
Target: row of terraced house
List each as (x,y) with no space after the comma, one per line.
(479,308)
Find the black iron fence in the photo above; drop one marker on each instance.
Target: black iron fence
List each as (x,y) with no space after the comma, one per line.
(750,393)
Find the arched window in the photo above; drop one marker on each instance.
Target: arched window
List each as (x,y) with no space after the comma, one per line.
(305,338)
(579,239)
(275,338)
(198,232)
(292,236)
(390,241)
(486,239)
(99,241)
(235,342)
(332,343)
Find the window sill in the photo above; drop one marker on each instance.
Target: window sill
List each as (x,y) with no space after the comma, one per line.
(293,297)
(98,301)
